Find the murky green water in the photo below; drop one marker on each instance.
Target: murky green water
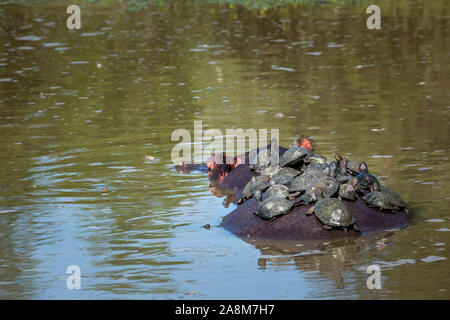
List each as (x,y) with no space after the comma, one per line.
(80,110)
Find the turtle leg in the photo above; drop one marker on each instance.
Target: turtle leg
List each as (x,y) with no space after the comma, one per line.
(340,198)
(297,202)
(345,229)
(293,195)
(273,218)
(406,210)
(310,211)
(327,227)
(356,228)
(255,213)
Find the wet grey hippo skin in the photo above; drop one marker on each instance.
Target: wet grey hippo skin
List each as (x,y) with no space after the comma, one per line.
(296,225)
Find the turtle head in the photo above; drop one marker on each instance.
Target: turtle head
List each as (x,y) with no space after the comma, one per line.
(258,196)
(338,157)
(363,167)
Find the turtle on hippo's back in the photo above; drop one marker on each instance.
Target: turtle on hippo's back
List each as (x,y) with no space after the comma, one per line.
(294,157)
(385,199)
(396,201)
(332,212)
(285,176)
(260,183)
(277,190)
(273,207)
(301,183)
(366,180)
(349,190)
(327,186)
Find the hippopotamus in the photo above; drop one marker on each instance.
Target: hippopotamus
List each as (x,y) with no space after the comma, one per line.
(295,225)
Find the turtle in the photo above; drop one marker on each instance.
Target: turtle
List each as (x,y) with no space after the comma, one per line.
(327,186)
(353,167)
(333,213)
(332,172)
(341,164)
(294,157)
(255,184)
(272,207)
(348,190)
(378,199)
(395,200)
(365,179)
(301,183)
(277,190)
(285,176)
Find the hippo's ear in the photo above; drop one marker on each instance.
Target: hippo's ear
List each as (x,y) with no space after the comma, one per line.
(306,142)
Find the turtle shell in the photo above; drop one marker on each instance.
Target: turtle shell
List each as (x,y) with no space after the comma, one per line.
(343,179)
(328,185)
(316,158)
(302,182)
(364,183)
(315,166)
(278,190)
(379,200)
(308,197)
(346,191)
(260,183)
(273,207)
(353,167)
(285,176)
(333,212)
(394,198)
(294,156)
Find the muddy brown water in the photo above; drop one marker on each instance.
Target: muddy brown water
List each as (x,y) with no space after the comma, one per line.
(79,111)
